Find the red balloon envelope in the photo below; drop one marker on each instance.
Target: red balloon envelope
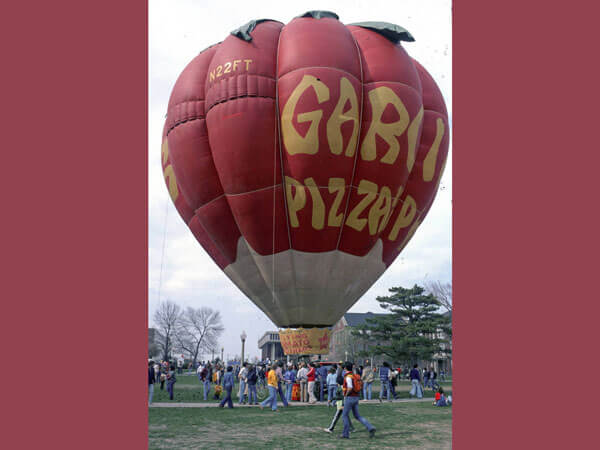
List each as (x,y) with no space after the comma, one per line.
(303,158)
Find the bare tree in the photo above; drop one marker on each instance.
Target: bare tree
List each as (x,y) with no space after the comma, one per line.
(198,331)
(442,292)
(166,319)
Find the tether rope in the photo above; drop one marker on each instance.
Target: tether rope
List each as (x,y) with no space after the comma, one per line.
(162,257)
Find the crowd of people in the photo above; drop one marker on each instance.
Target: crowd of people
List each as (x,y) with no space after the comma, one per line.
(342,385)
(316,382)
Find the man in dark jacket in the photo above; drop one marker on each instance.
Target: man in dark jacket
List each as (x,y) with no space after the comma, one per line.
(252,379)
(415,379)
(150,381)
(322,373)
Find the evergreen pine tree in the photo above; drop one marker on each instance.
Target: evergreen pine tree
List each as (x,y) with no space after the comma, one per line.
(411,332)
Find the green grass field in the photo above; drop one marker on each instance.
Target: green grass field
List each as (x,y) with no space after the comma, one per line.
(399,425)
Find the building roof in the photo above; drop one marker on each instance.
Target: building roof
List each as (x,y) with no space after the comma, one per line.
(358,319)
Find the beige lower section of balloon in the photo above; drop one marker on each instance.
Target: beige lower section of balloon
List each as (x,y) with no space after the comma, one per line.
(296,288)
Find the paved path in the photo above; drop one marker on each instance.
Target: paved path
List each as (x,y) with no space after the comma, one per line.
(279,404)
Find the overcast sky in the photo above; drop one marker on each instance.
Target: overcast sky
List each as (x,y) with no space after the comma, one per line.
(183,271)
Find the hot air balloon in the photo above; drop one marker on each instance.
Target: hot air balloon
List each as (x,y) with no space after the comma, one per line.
(303,157)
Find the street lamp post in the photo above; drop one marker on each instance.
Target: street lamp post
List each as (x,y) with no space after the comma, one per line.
(243,336)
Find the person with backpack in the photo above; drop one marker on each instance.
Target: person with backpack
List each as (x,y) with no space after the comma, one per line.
(351,388)
(252,379)
(228,383)
(384,377)
(338,378)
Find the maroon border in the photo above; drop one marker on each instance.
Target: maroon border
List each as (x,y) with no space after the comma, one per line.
(524,160)
(74,244)
(74,247)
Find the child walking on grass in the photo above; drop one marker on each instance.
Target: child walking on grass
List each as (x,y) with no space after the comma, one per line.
(339,409)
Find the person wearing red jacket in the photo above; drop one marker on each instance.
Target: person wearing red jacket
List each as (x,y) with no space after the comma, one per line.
(310,376)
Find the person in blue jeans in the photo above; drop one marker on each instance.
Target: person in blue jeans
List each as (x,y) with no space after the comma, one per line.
(242,375)
(331,387)
(351,397)
(272,383)
(322,372)
(204,377)
(228,386)
(367,379)
(151,378)
(290,378)
(415,379)
(384,377)
(171,380)
(252,379)
(278,367)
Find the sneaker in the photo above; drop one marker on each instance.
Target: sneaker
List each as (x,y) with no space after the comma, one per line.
(327,430)
(372,433)
(341,436)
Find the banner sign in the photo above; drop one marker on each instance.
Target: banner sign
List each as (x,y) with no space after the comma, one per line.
(305,341)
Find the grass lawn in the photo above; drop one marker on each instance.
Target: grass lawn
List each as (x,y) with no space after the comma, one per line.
(189,390)
(399,425)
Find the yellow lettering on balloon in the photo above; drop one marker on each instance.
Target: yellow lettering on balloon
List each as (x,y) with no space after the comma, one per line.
(410,234)
(380,98)
(405,217)
(379,210)
(165,151)
(354,220)
(318,209)
(338,117)
(389,214)
(294,202)
(293,141)
(337,185)
(431,158)
(413,134)
(171,182)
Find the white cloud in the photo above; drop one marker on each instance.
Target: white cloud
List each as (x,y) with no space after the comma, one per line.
(178,31)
